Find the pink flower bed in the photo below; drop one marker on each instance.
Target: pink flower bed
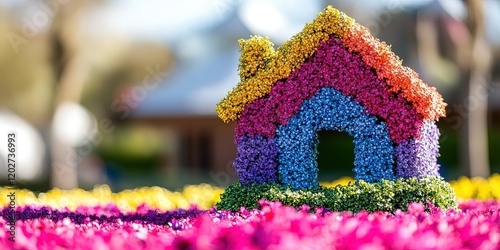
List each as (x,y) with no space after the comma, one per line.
(476,226)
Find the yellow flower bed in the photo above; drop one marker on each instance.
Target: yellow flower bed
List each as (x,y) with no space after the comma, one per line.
(203,195)
(342,181)
(477,187)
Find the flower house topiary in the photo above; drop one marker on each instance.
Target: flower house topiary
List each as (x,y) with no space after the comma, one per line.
(333,75)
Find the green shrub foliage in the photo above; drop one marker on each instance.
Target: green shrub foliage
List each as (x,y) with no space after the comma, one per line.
(380,196)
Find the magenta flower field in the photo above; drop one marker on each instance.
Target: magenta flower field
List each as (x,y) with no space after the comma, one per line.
(476,225)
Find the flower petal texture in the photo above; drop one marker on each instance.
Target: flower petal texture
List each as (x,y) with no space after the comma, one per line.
(330,110)
(333,75)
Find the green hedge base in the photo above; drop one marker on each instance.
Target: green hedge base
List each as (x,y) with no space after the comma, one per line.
(380,196)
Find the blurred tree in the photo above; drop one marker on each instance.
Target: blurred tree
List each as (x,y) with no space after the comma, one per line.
(78,62)
(465,44)
(25,75)
(49,60)
(475,133)
(70,72)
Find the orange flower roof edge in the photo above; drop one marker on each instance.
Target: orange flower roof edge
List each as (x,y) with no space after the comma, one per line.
(261,66)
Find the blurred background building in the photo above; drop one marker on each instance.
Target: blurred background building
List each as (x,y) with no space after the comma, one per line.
(123,92)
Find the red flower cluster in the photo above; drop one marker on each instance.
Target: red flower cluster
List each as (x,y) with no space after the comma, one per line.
(401,79)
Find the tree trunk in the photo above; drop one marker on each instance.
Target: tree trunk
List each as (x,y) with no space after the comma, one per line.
(474,146)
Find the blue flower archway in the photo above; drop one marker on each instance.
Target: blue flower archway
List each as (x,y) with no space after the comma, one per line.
(330,110)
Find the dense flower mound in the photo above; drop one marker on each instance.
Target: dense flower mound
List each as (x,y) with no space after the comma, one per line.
(272,226)
(333,75)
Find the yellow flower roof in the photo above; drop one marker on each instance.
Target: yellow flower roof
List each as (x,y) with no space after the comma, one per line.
(261,66)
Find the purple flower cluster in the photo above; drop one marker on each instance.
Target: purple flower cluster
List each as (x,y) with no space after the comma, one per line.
(109,214)
(330,110)
(273,226)
(416,157)
(256,160)
(332,65)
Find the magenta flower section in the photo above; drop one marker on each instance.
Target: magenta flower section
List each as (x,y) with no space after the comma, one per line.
(417,157)
(332,65)
(273,226)
(256,160)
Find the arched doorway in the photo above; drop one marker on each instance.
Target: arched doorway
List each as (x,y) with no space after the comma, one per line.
(335,155)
